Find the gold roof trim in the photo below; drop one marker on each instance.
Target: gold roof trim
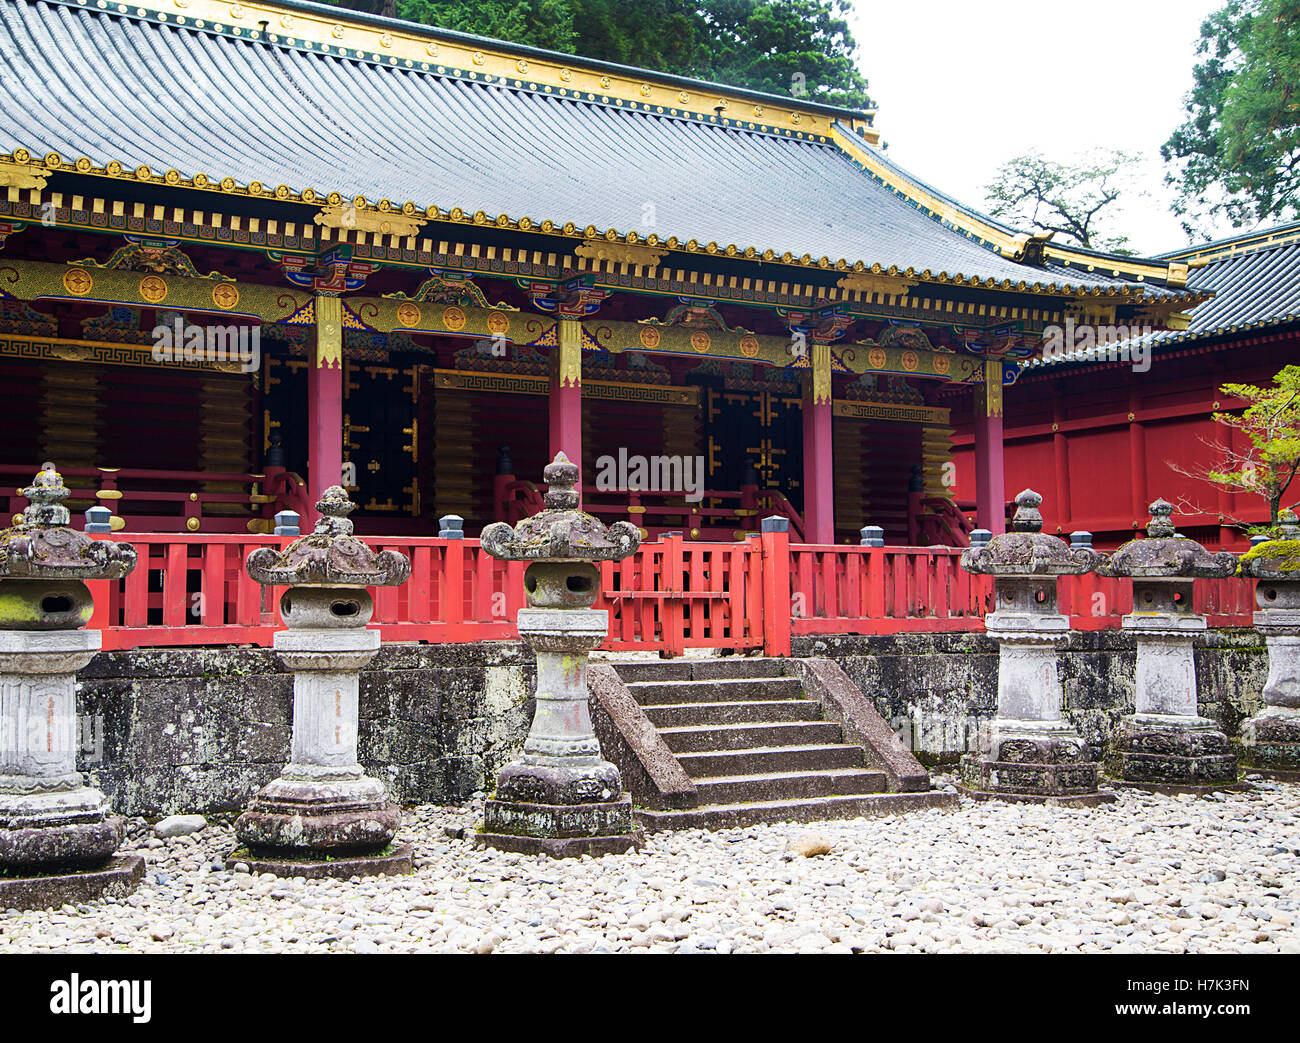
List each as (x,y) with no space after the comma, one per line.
(142,173)
(345,215)
(407,45)
(1208,253)
(1015,247)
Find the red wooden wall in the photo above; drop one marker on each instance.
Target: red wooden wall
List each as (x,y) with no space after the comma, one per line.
(1101,443)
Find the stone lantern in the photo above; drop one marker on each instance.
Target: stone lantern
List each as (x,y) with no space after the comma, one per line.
(562,797)
(323,816)
(1029,752)
(57,837)
(1271,739)
(1166,744)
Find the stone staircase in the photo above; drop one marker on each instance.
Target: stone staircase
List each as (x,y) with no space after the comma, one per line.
(738,741)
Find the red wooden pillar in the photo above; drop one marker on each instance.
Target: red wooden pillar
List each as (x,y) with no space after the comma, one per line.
(990,476)
(325,399)
(818,462)
(566,392)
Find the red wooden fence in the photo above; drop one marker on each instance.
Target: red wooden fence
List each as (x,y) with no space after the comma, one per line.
(671,595)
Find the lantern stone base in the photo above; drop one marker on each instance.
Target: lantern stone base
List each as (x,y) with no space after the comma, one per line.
(299,816)
(392,861)
(118,878)
(1032,761)
(560,830)
(63,829)
(1171,751)
(1034,783)
(560,785)
(1271,743)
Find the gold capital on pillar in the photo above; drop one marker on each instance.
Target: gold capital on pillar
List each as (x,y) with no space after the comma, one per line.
(566,361)
(821,372)
(992,387)
(329,331)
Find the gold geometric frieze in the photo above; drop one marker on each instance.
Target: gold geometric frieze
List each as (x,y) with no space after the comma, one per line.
(902,412)
(528,384)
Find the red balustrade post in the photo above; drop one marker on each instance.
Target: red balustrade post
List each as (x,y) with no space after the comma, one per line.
(876,582)
(776,590)
(212,599)
(673,613)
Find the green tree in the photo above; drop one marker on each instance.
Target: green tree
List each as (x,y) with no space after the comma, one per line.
(387,8)
(538,23)
(800,48)
(1271,424)
(1070,200)
(1237,156)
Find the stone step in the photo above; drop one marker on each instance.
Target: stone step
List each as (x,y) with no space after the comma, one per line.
(798,785)
(715,690)
(680,670)
(681,715)
(726,816)
(778,758)
(747,736)
(729,667)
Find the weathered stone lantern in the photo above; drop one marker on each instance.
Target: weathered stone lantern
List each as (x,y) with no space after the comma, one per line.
(1271,739)
(1166,744)
(323,816)
(1029,751)
(562,797)
(57,836)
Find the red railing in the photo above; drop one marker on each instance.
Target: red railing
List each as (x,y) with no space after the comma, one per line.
(659,512)
(173,501)
(193,590)
(671,595)
(874,590)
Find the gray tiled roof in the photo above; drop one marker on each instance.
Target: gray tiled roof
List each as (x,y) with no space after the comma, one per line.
(1255,279)
(85,82)
(1253,288)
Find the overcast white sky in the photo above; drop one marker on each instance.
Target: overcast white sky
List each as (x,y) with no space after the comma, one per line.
(964,86)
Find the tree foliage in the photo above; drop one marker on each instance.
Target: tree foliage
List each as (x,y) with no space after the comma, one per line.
(1237,156)
(1075,201)
(802,48)
(1271,424)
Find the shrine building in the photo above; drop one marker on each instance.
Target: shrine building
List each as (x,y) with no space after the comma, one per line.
(1104,435)
(252,248)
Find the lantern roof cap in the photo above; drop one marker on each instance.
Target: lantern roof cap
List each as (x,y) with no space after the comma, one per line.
(561,532)
(1026,550)
(41,545)
(1163,554)
(329,556)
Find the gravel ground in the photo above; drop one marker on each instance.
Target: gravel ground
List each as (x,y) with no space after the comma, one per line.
(1147,873)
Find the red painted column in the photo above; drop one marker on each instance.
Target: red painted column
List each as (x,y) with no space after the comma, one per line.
(818,461)
(565,397)
(990,475)
(325,399)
